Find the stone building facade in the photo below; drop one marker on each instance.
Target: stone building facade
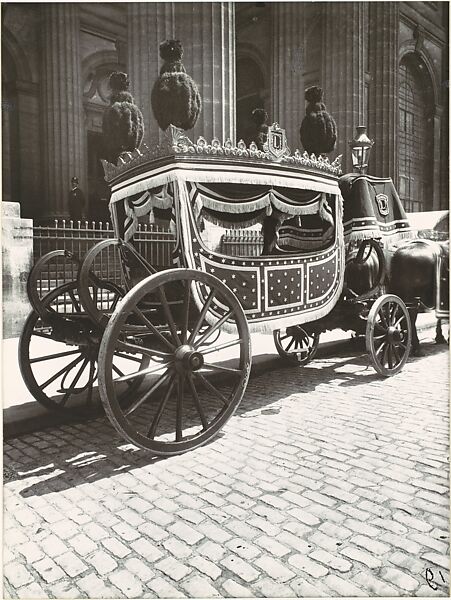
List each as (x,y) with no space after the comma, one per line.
(384,65)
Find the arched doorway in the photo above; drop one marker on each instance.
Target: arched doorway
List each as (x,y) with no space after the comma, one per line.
(415,135)
(250,92)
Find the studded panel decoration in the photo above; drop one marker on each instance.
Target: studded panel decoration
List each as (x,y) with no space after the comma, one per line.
(274,290)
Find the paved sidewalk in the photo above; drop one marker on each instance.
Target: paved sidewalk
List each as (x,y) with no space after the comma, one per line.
(328,481)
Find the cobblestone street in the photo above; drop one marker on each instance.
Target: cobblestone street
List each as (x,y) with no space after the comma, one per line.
(328,481)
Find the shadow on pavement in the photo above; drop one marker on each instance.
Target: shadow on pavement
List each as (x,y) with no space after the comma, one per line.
(98,452)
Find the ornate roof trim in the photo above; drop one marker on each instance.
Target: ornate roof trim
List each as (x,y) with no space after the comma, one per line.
(178,144)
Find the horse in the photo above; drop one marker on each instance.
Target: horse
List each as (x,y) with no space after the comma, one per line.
(419,274)
(410,271)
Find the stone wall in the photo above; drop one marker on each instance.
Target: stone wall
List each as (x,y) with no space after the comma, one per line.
(17,261)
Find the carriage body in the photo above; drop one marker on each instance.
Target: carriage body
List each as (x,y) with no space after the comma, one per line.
(299,281)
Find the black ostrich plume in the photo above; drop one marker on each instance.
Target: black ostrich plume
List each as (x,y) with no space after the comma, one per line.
(318,129)
(175,97)
(122,125)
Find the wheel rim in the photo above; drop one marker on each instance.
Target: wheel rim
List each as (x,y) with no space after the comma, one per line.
(388,335)
(192,386)
(61,374)
(101,270)
(296,345)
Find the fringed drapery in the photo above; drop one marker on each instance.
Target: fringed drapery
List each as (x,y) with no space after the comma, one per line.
(373,210)
(140,206)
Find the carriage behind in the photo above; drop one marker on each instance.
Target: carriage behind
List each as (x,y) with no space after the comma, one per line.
(169,350)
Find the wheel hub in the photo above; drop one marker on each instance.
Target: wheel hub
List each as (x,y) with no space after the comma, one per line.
(188,358)
(394,335)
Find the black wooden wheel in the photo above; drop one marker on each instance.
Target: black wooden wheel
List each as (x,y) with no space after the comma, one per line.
(58,356)
(101,270)
(388,335)
(50,272)
(192,386)
(295,344)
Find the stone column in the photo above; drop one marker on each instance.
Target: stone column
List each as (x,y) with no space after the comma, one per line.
(384,66)
(436,183)
(61,105)
(7,158)
(343,71)
(287,77)
(29,149)
(207,33)
(148,24)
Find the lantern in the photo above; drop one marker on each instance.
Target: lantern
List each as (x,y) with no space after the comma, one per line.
(360,149)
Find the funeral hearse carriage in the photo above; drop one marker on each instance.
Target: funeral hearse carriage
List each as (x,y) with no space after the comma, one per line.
(169,350)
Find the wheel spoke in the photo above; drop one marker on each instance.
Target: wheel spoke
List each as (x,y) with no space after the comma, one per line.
(117,370)
(76,379)
(380,328)
(201,318)
(390,356)
(115,302)
(197,402)
(384,358)
(221,368)
(91,383)
(128,357)
(147,371)
(383,318)
(399,321)
(290,344)
(159,382)
(179,411)
(396,353)
(213,328)
(136,349)
(152,327)
(222,346)
(212,388)
(186,303)
(394,312)
(381,347)
(156,419)
(51,356)
(75,302)
(65,369)
(167,312)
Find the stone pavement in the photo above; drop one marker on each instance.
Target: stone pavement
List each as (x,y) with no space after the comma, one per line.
(328,481)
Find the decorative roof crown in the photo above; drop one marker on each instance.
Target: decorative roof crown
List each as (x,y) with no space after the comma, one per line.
(178,144)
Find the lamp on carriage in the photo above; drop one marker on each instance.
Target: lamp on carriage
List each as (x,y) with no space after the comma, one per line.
(360,148)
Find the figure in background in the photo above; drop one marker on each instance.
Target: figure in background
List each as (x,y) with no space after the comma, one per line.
(76,201)
(260,118)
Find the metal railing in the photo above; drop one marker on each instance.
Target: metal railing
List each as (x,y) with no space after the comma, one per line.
(153,242)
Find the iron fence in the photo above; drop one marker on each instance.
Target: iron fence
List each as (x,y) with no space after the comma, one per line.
(153,242)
